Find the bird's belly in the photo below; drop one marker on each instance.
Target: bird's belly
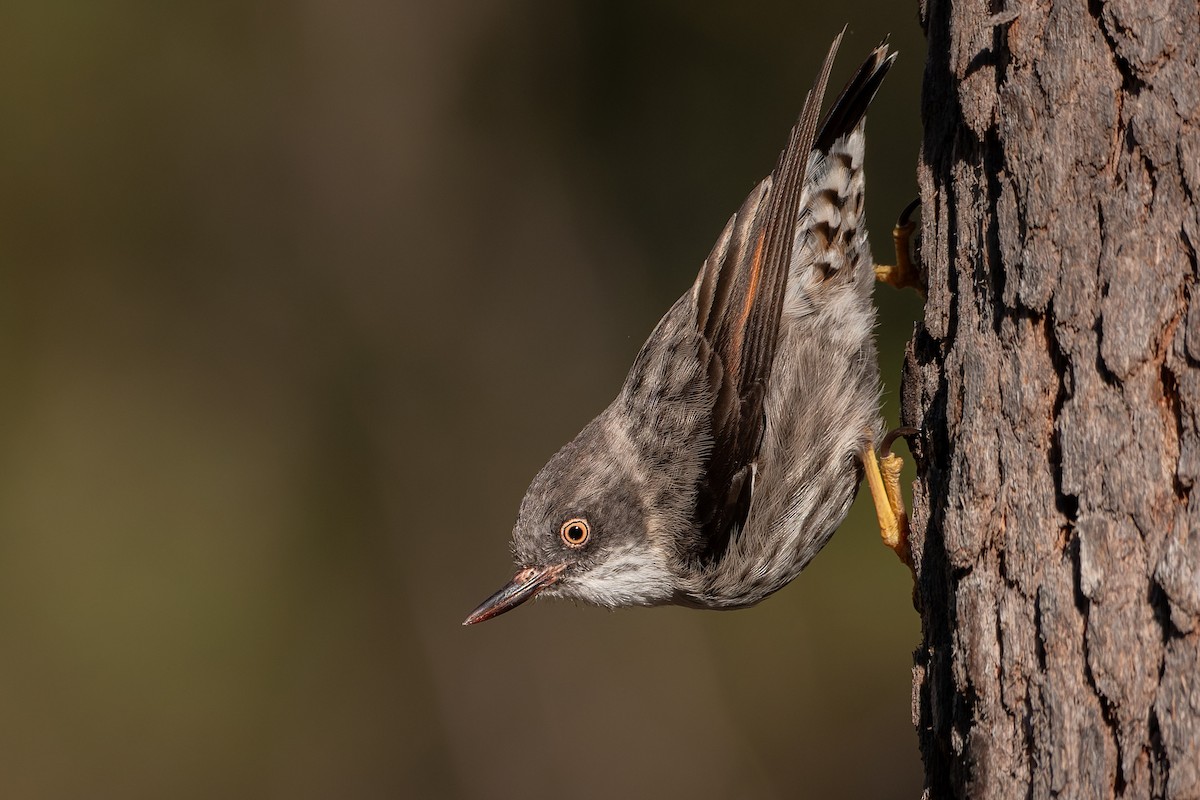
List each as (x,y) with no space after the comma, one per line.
(822,412)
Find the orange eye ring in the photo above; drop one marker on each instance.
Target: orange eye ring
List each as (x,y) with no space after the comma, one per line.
(575,532)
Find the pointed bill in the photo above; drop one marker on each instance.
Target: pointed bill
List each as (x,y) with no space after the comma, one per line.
(524,585)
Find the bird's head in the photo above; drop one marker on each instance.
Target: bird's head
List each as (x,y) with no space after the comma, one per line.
(583,531)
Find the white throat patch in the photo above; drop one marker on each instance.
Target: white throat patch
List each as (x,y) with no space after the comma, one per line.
(631,576)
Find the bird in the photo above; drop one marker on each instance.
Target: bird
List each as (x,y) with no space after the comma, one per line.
(736,444)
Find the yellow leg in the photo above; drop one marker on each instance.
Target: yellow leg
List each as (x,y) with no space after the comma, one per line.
(883,476)
(904,273)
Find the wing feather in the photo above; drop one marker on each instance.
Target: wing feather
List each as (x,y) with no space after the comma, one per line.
(739,301)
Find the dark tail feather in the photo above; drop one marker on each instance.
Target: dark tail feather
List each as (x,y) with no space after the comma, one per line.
(851,105)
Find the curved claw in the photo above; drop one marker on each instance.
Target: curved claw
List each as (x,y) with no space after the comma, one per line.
(905,273)
(885,447)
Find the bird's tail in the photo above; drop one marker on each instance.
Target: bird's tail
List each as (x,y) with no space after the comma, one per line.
(851,104)
(831,264)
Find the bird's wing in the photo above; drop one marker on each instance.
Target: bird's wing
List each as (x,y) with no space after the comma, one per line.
(739,299)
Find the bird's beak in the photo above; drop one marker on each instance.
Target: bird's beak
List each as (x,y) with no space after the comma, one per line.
(524,585)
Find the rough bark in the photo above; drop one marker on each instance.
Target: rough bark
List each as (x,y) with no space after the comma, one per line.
(1056,383)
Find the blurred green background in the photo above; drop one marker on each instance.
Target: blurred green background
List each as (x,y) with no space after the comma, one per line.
(295,298)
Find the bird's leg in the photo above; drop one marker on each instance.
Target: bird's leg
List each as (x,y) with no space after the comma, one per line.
(905,272)
(883,476)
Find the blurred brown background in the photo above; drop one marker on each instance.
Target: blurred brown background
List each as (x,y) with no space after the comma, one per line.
(295,300)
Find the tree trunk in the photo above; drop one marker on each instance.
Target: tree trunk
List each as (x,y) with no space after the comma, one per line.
(1056,383)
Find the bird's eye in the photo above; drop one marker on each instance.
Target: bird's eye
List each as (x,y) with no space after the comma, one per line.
(575,532)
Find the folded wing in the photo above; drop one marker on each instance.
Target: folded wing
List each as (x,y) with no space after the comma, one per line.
(739,300)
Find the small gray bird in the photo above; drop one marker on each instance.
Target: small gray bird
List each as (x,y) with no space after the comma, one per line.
(738,441)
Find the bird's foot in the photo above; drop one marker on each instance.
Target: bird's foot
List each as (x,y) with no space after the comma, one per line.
(883,476)
(906,272)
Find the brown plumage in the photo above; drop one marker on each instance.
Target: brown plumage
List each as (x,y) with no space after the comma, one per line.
(729,456)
